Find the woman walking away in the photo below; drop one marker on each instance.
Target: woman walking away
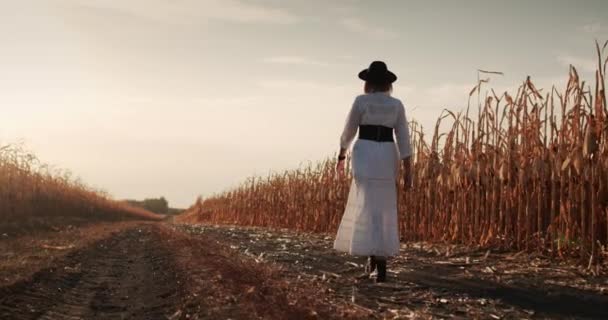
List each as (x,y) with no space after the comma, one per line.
(369,225)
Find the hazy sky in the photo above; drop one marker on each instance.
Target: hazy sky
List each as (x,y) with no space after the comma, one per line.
(145,98)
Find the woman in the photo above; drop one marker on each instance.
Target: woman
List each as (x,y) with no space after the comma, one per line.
(369,225)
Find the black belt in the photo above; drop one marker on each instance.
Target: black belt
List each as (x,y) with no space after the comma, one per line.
(376,133)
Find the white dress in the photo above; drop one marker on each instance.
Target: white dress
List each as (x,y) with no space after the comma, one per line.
(369,224)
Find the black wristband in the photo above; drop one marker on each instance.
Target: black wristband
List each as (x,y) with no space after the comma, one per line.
(340,158)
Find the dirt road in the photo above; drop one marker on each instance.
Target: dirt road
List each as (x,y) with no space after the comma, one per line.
(430,281)
(164,271)
(126,276)
(152,272)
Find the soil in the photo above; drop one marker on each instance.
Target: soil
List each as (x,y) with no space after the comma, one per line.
(23,255)
(124,276)
(153,270)
(149,271)
(430,281)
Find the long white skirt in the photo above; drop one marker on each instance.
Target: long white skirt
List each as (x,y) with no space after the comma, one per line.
(369,224)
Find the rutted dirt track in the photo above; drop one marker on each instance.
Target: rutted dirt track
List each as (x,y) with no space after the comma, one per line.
(128,276)
(151,271)
(430,281)
(163,271)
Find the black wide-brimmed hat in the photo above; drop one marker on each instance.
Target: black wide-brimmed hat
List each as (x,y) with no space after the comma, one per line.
(377,73)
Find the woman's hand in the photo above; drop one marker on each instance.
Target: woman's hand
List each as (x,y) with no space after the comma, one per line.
(340,164)
(340,168)
(407,174)
(408,181)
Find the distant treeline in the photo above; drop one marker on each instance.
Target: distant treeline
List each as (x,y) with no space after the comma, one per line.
(157,205)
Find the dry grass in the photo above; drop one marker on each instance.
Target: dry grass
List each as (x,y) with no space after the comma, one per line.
(32,194)
(530,172)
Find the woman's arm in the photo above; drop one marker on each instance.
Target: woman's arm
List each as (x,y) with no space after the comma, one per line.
(402,132)
(353,119)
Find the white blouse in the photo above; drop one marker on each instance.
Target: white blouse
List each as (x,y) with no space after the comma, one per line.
(378,109)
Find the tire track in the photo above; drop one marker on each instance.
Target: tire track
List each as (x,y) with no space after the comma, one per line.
(127,276)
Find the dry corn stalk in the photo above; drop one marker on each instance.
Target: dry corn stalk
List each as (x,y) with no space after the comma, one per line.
(517,176)
(32,191)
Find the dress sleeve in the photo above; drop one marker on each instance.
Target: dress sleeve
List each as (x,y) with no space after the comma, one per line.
(352,125)
(402,132)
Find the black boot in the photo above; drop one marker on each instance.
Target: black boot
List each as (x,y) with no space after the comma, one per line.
(381,264)
(371,265)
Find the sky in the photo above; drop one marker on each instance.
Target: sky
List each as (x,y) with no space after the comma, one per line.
(149,98)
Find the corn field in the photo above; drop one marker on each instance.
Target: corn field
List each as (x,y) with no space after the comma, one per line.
(31,193)
(528,172)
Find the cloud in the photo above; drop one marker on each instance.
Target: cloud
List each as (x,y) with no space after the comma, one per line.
(189,11)
(295,60)
(357,26)
(404,89)
(238,11)
(294,85)
(585,64)
(447,95)
(229,102)
(593,27)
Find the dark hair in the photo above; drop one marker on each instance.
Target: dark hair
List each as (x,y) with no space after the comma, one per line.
(371,87)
